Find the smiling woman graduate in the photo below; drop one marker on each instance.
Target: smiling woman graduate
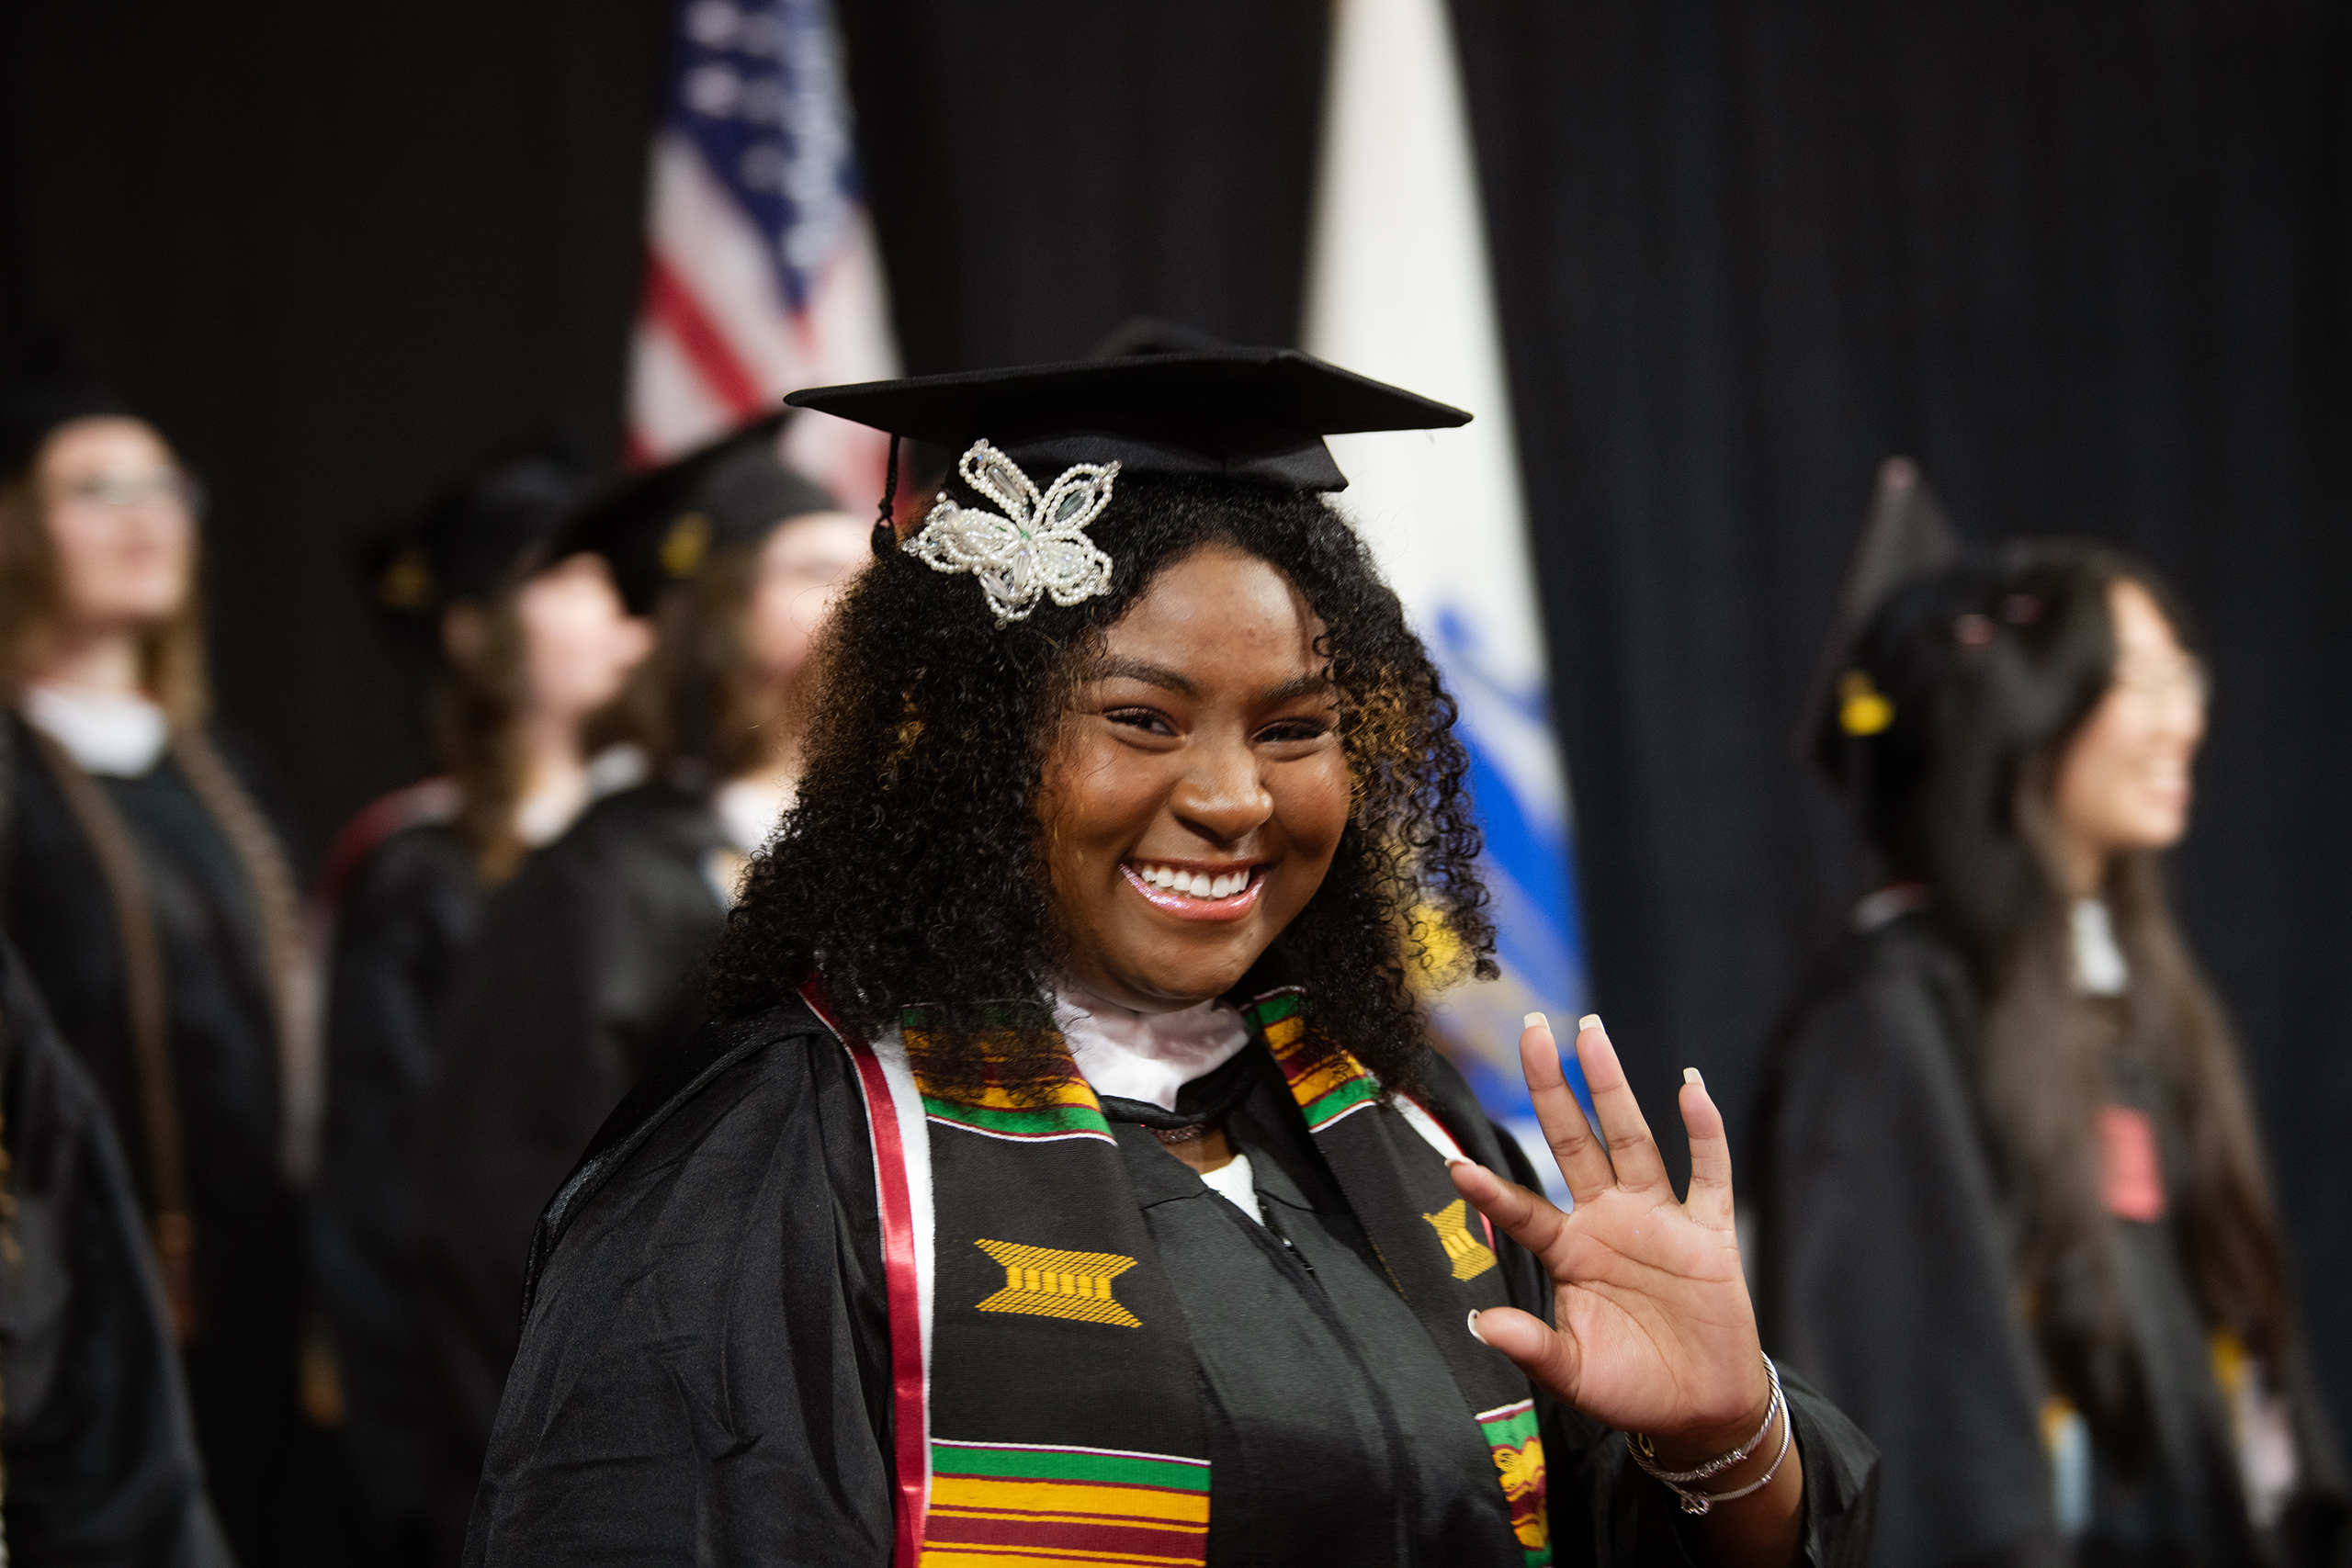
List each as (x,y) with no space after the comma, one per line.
(1068,1178)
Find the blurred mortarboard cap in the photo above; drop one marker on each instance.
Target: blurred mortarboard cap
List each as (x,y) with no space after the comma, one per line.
(1258,414)
(1905,538)
(659,528)
(472,536)
(45,386)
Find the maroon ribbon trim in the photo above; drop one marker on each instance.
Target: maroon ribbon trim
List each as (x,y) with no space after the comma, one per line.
(911,1427)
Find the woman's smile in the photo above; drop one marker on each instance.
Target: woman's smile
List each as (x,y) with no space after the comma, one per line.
(1192,891)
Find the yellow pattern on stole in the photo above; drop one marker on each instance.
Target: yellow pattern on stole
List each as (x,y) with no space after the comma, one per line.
(1050,1282)
(1471,1257)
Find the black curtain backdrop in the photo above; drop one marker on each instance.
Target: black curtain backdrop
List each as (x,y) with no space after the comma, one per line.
(2088,264)
(1042,170)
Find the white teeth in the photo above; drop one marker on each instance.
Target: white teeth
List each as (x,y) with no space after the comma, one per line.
(1197,883)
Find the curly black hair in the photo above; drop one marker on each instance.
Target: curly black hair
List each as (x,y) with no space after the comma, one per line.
(912,869)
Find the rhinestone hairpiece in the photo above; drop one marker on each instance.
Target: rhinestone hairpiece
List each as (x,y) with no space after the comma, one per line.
(1039,546)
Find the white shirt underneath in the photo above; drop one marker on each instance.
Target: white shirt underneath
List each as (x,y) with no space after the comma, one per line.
(748,812)
(120,734)
(1151,1056)
(1234,1182)
(2099,968)
(1146,1055)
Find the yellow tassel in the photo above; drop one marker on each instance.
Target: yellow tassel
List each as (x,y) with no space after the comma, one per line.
(1860,709)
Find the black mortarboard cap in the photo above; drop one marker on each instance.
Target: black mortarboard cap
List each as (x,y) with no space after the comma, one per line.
(1905,538)
(468,539)
(47,388)
(1258,414)
(659,528)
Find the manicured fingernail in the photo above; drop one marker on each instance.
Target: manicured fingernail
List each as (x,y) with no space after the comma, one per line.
(1473,1327)
(1535,1021)
(1589,1021)
(1690,1074)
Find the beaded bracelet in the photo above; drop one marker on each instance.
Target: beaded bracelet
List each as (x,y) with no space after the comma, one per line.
(1678,1481)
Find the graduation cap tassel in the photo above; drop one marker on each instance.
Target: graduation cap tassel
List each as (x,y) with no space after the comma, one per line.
(886,528)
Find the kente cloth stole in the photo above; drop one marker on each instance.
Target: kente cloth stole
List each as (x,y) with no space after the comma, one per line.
(1047,1389)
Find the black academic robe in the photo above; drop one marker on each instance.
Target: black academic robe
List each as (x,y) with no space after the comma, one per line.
(1884,1272)
(705,1372)
(224,1042)
(581,976)
(406,919)
(102,1467)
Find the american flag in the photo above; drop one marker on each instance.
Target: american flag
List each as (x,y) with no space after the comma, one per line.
(761,272)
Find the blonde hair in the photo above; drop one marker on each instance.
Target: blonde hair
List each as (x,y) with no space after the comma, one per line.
(172,664)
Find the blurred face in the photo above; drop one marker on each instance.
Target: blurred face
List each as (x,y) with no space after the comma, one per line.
(579,643)
(1197,790)
(2123,784)
(115,506)
(802,569)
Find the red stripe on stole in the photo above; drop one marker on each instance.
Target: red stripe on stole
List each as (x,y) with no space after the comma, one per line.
(669,300)
(1061,1533)
(910,1426)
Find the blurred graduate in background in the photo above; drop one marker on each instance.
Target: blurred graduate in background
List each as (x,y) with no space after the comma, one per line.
(101,1463)
(152,900)
(583,972)
(2012,1205)
(527,658)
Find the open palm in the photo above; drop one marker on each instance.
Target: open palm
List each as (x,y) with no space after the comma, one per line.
(1656,1333)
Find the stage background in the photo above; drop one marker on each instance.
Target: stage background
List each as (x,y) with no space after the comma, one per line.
(2090,265)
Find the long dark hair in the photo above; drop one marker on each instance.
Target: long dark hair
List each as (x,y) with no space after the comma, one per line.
(1984,673)
(471,712)
(705,711)
(912,869)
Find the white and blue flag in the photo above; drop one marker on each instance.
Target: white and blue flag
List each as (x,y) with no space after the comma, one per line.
(1398,288)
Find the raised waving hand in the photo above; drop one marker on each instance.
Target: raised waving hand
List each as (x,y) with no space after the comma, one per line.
(1656,1335)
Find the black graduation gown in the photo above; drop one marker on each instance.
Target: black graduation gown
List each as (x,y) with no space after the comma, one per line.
(1884,1272)
(705,1372)
(102,1468)
(403,927)
(223,1033)
(580,978)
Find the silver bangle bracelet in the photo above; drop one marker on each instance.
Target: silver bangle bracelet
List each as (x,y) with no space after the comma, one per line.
(1678,1482)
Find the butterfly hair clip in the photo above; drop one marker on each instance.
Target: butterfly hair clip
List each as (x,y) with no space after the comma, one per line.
(1035,547)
